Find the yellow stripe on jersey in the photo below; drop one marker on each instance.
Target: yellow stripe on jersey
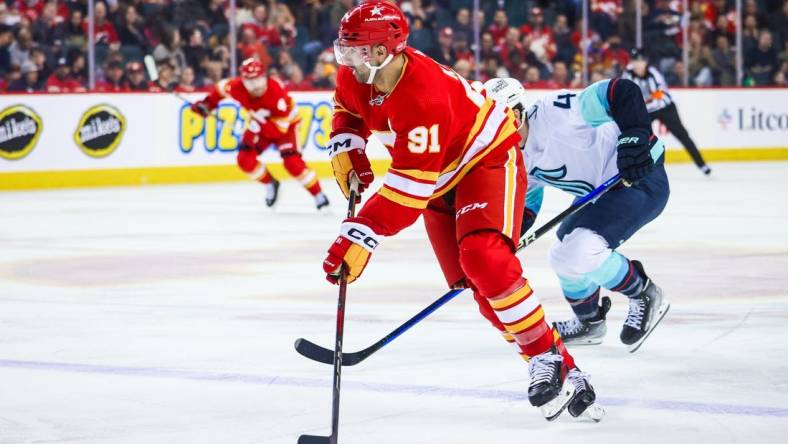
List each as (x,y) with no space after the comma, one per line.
(338,107)
(431,176)
(282,124)
(477,125)
(403,200)
(509,194)
(498,304)
(508,130)
(477,128)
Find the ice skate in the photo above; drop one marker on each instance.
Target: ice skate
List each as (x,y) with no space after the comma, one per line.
(588,332)
(583,403)
(321,201)
(646,310)
(272,193)
(549,389)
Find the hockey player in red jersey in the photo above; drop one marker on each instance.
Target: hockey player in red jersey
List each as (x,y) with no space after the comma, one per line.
(273,120)
(455,160)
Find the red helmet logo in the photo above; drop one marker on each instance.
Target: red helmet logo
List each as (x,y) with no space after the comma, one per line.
(372,23)
(251,69)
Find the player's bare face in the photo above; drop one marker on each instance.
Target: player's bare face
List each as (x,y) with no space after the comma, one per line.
(639,66)
(361,73)
(523,125)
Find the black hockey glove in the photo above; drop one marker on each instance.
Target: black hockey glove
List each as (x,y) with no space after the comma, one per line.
(634,154)
(201,108)
(529,217)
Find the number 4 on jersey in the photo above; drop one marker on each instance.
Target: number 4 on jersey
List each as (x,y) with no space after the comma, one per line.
(565,104)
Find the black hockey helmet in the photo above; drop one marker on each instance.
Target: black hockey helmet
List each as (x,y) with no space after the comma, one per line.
(637,54)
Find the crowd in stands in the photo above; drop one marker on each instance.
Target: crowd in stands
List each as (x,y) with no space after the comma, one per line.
(43,43)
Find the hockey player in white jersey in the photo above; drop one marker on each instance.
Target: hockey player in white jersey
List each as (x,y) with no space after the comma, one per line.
(575,142)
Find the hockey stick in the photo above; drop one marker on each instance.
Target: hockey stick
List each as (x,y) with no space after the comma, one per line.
(321,354)
(337,354)
(153,73)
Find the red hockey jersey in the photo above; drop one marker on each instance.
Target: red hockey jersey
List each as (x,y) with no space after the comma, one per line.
(275,110)
(435,126)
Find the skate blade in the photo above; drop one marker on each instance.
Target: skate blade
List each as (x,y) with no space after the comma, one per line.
(591,341)
(663,310)
(554,408)
(593,412)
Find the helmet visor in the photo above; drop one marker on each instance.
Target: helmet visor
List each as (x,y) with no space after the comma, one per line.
(351,56)
(254,84)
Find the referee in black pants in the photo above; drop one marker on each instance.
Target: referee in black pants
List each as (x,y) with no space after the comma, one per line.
(660,104)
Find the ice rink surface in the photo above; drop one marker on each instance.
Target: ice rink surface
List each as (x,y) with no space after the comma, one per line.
(167,314)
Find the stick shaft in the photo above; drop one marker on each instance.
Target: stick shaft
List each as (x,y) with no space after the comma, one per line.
(351,211)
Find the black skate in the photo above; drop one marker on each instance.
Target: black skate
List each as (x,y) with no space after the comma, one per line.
(583,403)
(321,201)
(549,389)
(589,332)
(273,193)
(645,312)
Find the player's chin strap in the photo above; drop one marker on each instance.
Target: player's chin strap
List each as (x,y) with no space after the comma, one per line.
(374,69)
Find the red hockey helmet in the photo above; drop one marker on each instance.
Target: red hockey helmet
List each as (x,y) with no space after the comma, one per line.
(253,75)
(376,22)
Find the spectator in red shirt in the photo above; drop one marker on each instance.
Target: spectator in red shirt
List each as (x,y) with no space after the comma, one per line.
(186,83)
(513,53)
(539,37)
(614,56)
(61,80)
(103,30)
(29,8)
(499,26)
(250,47)
(264,31)
(114,81)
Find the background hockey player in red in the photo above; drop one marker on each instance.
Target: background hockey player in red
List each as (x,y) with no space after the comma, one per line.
(274,118)
(455,160)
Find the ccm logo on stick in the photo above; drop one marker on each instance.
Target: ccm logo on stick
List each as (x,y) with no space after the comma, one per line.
(471,207)
(359,235)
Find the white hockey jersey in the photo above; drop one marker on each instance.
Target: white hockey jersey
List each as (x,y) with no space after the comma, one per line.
(572,142)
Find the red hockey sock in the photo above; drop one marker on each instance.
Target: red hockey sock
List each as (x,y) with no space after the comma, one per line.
(294,164)
(489,262)
(248,163)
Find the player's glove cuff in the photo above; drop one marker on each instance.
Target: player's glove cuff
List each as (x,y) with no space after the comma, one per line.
(347,159)
(344,142)
(353,248)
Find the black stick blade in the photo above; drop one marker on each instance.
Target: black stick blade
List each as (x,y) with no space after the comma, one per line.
(312,439)
(310,350)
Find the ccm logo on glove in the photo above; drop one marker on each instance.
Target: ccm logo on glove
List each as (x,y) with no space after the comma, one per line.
(353,248)
(370,242)
(349,159)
